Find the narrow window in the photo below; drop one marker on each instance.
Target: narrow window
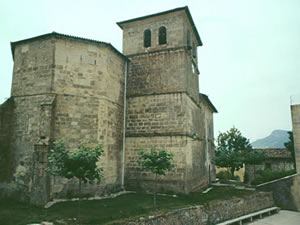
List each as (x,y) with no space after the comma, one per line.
(147,38)
(194,51)
(188,38)
(162,36)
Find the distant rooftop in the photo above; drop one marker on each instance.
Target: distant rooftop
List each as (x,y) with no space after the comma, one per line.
(275,153)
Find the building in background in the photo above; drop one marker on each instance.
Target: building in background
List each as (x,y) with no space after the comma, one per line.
(276,160)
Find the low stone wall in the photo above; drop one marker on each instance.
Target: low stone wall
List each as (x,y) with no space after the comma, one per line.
(286,192)
(222,210)
(211,213)
(195,215)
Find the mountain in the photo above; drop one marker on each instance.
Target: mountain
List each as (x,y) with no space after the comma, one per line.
(275,140)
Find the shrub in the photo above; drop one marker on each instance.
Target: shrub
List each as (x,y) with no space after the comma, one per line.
(269,175)
(224,175)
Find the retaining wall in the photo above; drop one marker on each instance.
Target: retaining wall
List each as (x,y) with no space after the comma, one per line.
(211,213)
(286,192)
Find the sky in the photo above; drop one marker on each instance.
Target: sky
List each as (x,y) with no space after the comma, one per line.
(249,62)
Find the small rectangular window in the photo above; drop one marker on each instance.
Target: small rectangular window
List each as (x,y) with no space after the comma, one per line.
(147,38)
(162,36)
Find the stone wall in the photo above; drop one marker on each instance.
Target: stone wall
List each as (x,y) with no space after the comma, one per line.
(188,173)
(33,68)
(29,126)
(89,82)
(164,114)
(65,89)
(32,87)
(207,134)
(295,111)
(212,213)
(6,155)
(195,215)
(32,126)
(87,111)
(175,123)
(89,70)
(286,192)
(100,122)
(135,178)
(168,71)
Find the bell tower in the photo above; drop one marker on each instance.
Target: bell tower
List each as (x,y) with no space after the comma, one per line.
(162,48)
(163,105)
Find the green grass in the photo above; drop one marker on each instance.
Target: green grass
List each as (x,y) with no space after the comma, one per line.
(103,211)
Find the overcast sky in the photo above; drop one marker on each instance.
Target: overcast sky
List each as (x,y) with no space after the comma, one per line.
(249,62)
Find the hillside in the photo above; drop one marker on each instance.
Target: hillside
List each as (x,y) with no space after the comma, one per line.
(275,140)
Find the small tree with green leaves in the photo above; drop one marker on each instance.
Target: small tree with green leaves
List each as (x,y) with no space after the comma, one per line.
(157,162)
(290,147)
(231,150)
(80,163)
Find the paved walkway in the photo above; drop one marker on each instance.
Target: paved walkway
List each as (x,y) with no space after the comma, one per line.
(284,217)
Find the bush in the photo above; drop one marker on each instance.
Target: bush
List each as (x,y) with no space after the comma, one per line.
(224,175)
(268,175)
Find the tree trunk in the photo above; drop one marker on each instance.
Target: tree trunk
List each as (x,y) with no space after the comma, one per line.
(155,189)
(232,169)
(79,195)
(79,187)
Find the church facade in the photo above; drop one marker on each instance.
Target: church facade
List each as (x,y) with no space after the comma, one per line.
(85,91)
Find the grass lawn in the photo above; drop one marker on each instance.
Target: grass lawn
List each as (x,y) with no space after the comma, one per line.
(103,211)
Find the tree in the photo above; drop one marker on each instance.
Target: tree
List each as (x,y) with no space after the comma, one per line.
(290,147)
(231,150)
(157,162)
(80,163)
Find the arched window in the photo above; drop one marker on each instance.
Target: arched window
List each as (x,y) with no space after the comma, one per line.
(147,38)
(162,36)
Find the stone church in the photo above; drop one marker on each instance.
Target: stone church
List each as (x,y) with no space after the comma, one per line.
(86,91)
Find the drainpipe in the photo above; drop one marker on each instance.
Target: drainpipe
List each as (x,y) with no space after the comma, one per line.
(124,125)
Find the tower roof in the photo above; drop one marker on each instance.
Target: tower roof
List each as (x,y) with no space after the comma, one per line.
(185,9)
